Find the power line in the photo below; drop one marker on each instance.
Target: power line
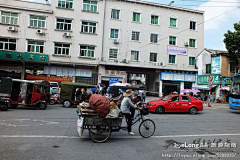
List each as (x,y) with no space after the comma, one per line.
(183,30)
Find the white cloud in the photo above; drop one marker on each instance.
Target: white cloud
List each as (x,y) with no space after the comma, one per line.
(211,12)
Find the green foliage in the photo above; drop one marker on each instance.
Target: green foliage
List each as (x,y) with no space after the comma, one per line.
(232,43)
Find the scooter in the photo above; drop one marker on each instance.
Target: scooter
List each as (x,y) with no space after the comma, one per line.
(54,99)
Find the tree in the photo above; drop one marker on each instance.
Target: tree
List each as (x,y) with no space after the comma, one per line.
(232,43)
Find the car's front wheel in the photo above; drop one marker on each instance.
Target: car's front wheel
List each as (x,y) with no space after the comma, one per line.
(193,110)
(160,109)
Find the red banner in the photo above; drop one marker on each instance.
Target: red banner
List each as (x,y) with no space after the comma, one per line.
(55,79)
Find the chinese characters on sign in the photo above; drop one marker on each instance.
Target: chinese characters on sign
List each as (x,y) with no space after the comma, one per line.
(177,50)
(204,79)
(23,56)
(113,80)
(178,76)
(9,68)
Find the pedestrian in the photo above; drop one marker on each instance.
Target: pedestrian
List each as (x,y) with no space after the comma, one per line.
(119,98)
(125,108)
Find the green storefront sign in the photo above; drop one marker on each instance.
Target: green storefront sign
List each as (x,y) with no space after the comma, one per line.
(9,55)
(204,79)
(227,81)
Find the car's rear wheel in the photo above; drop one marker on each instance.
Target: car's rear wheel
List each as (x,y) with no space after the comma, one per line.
(160,109)
(193,110)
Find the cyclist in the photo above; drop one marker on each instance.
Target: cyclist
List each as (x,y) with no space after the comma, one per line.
(125,108)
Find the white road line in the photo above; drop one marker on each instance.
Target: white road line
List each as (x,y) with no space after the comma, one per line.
(116,137)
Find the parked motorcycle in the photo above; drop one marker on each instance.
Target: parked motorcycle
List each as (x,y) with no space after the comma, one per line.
(54,99)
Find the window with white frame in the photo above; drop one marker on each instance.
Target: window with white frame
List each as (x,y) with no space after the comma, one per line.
(172,59)
(8,44)
(113,53)
(192,43)
(88,27)
(115,14)
(114,33)
(87,51)
(135,36)
(193,25)
(154,38)
(65,4)
(173,22)
(134,55)
(35,46)
(90,5)
(154,19)
(62,49)
(153,57)
(37,21)
(9,18)
(172,40)
(64,24)
(136,17)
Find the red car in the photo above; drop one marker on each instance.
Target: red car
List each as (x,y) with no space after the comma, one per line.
(176,103)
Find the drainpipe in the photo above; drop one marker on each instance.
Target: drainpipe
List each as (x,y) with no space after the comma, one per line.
(104,3)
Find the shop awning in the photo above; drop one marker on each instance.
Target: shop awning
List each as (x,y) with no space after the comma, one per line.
(202,87)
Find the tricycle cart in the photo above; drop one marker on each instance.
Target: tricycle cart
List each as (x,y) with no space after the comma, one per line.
(100,129)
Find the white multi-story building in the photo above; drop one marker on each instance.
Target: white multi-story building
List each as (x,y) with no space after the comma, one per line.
(92,41)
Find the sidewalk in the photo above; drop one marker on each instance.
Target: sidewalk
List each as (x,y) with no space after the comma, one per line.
(218,105)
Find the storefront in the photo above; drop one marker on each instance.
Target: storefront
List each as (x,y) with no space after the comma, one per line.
(173,81)
(112,76)
(17,64)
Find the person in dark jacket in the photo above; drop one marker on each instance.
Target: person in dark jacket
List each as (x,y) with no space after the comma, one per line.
(125,108)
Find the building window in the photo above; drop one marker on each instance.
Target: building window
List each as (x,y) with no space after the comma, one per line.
(154,19)
(208,68)
(172,40)
(135,36)
(136,17)
(35,46)
(62,49)
(8,44)
(154,38)
(90,5)
(65,4)
(173,22)
(87,51)
(232,67)
(115,14)
(172,59)
(134,55)
(64,24)
(153,57)
(192,43)
(193,25)
(37,21)
(113,53)
(191,61)
(89,27)
(9,18)
(114,33)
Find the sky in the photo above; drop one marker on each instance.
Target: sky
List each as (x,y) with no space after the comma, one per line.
(214,29)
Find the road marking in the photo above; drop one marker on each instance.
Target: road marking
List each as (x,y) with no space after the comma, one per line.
(116,137)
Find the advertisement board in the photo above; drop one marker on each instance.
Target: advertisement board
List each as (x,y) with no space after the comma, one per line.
(175,76)
(211,79)
(177,50)
(216,66)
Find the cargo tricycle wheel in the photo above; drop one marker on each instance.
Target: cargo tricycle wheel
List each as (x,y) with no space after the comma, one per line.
(100,132)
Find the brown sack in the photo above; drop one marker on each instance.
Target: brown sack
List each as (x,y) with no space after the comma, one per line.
(100,104)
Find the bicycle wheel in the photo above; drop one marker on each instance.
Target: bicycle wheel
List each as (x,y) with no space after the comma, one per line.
(146,128)
(100,132)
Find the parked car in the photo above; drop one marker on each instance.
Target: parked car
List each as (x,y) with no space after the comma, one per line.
(176,103)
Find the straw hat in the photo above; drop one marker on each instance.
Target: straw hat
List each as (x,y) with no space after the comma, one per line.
(128,93)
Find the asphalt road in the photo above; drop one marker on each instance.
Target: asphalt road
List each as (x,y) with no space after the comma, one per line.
(28,133)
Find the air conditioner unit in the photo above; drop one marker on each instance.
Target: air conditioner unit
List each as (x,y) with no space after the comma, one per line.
(66,34)
(124,61)
(186,44)
(116,41)
(155,63)
(116,60)
(39,31)
(11,28)
(161,64)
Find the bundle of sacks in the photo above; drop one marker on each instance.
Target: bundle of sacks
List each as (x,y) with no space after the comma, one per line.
(102,106)
(85,109)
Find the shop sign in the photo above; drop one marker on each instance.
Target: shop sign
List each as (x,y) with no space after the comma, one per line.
(177,50)
(23,56)
(227,81)
(113,73)
(55,79)
(113,80)
(9,68)
(215,66)
(178,76)
(67,71)
(210,80)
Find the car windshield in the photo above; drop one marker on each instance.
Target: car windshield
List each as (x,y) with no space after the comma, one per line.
(166,98)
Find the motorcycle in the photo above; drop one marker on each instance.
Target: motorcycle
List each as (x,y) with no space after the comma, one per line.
(54,99)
